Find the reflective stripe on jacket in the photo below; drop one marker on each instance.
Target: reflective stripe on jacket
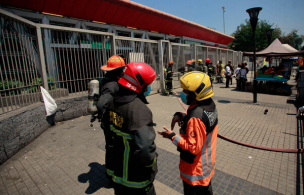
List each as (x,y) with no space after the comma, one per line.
(197,143)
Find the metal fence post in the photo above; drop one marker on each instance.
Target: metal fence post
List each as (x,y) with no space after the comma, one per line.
(161,66)
(194,51)
(113,45)
(104,54)
(42,59)
(170,51)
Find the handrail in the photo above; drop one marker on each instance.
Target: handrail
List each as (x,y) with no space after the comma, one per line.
(9,14)
(71,29)
(135,39)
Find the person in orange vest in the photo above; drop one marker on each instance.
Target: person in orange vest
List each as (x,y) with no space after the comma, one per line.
(198,133)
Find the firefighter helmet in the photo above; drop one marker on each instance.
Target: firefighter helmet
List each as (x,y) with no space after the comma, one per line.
(193,60)
(208,60)
(199,83)
(137,75)
(200,61)
(189,62)
(170,62)
(114,62)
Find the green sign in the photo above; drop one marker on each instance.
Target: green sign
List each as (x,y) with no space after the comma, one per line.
(93,44)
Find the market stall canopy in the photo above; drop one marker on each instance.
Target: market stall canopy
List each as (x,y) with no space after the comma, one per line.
(288,47)
(277,49)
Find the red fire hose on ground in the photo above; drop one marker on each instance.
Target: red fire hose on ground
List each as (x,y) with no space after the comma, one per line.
(246,144)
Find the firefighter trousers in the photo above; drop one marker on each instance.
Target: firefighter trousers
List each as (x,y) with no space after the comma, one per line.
(168,87)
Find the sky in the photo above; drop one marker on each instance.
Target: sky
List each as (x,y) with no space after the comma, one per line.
(285,14)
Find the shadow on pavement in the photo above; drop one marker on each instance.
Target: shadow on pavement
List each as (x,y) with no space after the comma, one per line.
(224,101)
(96,177)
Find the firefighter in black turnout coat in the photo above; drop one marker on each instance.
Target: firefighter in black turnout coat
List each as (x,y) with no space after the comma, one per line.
(129,122)
(169,78)
(108,89)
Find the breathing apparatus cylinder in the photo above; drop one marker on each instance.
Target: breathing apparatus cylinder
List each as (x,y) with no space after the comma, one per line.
(93,96)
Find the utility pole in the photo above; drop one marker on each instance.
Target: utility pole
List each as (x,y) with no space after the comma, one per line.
(223,18)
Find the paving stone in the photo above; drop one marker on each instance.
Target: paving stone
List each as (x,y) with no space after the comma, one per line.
(72,148)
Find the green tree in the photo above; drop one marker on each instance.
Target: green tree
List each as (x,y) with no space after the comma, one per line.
(244,38)
(293,39)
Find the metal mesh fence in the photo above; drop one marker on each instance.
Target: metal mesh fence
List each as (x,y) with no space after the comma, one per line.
(73,59)
(212,55)
(140,50)
(218,54)
(224,56)
(20,78)
(235,60)
(181,53)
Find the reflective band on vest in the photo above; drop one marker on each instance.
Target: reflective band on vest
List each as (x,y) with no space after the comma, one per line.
(176,139)
(206,173)
(128,183)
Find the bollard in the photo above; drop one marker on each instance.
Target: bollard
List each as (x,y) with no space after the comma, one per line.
(300,87)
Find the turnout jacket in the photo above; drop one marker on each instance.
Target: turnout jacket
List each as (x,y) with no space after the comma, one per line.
(133,160)
(108,89)
(197,143)
(169,73)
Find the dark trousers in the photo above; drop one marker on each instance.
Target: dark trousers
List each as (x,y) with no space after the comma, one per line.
(124,190)
(197,190)
(168,86)
(238,84)
(227,81)
(242,84)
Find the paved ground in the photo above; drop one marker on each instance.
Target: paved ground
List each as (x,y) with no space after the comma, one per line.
(69,157)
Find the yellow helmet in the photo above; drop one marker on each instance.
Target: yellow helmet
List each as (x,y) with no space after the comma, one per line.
(200,61)
(199,83)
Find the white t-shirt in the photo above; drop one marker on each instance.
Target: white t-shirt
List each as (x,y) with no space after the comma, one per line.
(237,70)
(228,69)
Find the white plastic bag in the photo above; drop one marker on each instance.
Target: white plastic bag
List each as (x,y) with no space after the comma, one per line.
(49,102)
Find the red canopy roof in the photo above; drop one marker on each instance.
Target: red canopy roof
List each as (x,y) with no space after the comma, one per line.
(124,13)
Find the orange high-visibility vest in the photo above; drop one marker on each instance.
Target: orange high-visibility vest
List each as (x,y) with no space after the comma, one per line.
(201,145)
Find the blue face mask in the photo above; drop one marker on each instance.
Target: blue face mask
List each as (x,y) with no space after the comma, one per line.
(183,97)
(148,91)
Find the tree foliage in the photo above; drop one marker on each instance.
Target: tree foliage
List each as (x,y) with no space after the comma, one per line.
(293,39)
(244,38)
